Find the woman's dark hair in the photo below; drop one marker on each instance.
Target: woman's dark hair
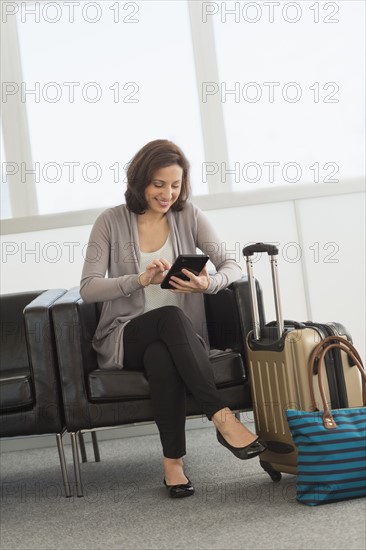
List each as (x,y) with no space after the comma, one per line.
(154,155)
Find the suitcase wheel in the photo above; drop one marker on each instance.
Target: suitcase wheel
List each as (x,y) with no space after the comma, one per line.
(273,474)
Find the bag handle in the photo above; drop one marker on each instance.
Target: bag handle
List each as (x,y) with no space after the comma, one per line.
(251,249)
(320,351)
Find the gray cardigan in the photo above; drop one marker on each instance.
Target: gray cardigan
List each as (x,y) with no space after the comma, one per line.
(114,247)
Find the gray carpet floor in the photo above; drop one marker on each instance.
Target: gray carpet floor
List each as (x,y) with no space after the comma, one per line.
(125,506)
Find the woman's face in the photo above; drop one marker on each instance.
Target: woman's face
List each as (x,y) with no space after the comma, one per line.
(164,188)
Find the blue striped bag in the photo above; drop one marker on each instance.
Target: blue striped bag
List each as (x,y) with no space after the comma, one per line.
(331,443)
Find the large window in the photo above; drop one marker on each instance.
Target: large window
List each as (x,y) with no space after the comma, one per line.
(99,80)
(259,95)
(291,82)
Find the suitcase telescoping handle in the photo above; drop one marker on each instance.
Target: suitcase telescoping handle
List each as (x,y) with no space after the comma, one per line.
(272,251)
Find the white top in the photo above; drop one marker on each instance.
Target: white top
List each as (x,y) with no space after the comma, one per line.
(155,296)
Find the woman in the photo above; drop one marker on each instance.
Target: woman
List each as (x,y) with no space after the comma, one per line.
(142,326)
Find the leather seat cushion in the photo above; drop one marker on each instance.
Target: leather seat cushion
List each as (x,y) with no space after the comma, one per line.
(121,384)
(16,389)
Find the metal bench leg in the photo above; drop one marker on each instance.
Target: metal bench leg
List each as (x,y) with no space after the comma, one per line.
(61,454)
(95,447)
(75,456)
(82,447)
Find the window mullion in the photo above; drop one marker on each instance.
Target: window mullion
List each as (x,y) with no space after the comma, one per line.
(212,116)
(22,188)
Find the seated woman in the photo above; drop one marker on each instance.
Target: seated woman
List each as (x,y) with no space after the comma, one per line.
(144,327)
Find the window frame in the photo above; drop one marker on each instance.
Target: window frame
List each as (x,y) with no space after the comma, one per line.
(15,130)
(17,144)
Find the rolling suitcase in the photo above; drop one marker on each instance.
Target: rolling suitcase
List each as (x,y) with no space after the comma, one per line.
(278,355)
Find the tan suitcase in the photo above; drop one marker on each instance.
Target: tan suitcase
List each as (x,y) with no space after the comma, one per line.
(278,356)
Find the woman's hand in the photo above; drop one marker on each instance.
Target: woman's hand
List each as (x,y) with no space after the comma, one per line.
(154,273)
(196,283)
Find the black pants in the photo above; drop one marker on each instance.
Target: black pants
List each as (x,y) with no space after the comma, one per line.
(163,343)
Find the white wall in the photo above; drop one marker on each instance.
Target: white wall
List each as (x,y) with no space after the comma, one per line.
(326,281)
(321,262)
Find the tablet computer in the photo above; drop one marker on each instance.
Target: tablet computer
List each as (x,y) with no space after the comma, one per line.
(193,262)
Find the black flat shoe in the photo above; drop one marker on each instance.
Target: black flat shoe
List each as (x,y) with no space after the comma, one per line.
(250,451)
(180,491)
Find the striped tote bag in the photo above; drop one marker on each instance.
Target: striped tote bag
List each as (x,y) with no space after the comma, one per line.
(331,443)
